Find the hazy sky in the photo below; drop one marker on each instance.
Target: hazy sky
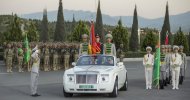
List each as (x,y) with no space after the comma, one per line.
(146,8)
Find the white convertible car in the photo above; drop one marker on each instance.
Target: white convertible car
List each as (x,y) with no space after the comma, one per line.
(95,74)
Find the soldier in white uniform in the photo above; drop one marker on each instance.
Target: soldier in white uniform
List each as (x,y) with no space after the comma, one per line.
(183,65)
(176,62)
(148,63)
(35,72)
(109,47)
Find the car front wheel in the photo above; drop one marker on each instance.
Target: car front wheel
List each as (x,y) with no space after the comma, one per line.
(67,94)
(115,90)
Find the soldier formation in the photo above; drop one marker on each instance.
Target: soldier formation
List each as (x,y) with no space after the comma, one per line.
(53,56)
(173,64)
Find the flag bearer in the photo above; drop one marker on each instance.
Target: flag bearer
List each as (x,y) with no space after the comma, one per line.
(162,67)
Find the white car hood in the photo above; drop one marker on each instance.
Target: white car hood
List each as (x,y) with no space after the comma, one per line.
(92,68)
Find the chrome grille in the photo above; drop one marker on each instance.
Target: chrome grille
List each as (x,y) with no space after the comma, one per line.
(86,78)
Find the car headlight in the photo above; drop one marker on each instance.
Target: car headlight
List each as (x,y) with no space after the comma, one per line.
(104,77)
(70,77)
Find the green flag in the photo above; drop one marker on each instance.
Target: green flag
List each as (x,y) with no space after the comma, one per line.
(27,52)
(156,71)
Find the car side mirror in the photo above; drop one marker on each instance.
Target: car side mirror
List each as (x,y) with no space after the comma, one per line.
(73,64)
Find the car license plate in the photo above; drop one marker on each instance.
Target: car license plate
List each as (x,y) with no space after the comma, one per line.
(86,86)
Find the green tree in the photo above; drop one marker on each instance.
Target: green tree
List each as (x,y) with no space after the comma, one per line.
(149,40)
(60,28)
(44,35)
(81,28)
(166,28)
(120,36)
(181,39)
(32,33)
(134,41)
(99,24)
(14,32)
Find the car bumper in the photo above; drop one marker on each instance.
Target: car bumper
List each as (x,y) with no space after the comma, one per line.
(97,88)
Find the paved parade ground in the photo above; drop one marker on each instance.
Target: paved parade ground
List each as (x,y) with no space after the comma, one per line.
(16,86)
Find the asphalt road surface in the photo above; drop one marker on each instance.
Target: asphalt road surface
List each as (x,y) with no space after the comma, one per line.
(16,86)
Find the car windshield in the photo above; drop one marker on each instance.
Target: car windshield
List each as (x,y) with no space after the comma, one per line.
(96,60)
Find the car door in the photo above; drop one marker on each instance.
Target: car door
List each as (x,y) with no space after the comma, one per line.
(121,74)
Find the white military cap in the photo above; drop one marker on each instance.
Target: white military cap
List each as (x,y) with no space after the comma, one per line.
(175,47)
(163,46)
(148,47)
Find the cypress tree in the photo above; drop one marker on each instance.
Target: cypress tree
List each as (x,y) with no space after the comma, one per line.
(44,36)
(166,28)
(181,39)
(60,29)
(120,36)
(134,42)
(99,24)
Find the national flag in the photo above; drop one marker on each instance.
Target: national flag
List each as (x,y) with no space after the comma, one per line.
(92,39)
(156,70)
(167,39)
(27,52)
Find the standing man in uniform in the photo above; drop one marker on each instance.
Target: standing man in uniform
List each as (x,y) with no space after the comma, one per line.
(20,57)
(46,58)
(55,58)
(9,57)
(99,48)
(168,59)
(76,50)
(162,67)
(148,63)
(109,48)
(120,53)
(35,72)
(66,57)
(176,62)
(183,65)
(84,47)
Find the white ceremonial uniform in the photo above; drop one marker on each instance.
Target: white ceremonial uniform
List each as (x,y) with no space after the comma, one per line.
(176,62)
(35,73)
(148,63)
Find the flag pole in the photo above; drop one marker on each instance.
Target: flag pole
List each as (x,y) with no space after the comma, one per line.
(159,62)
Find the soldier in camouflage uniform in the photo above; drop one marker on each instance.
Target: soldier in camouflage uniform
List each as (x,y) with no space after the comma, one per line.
(51,55)
(76,50)
(66,57)
(46,58)
(55,57)
(120,53)
(9,58)
(183,65)
(168,60)
(162,67)
(5,51)
(20,57)
(29,67)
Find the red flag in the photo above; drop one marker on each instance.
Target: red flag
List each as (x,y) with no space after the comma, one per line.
(92,39)
(166,39)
